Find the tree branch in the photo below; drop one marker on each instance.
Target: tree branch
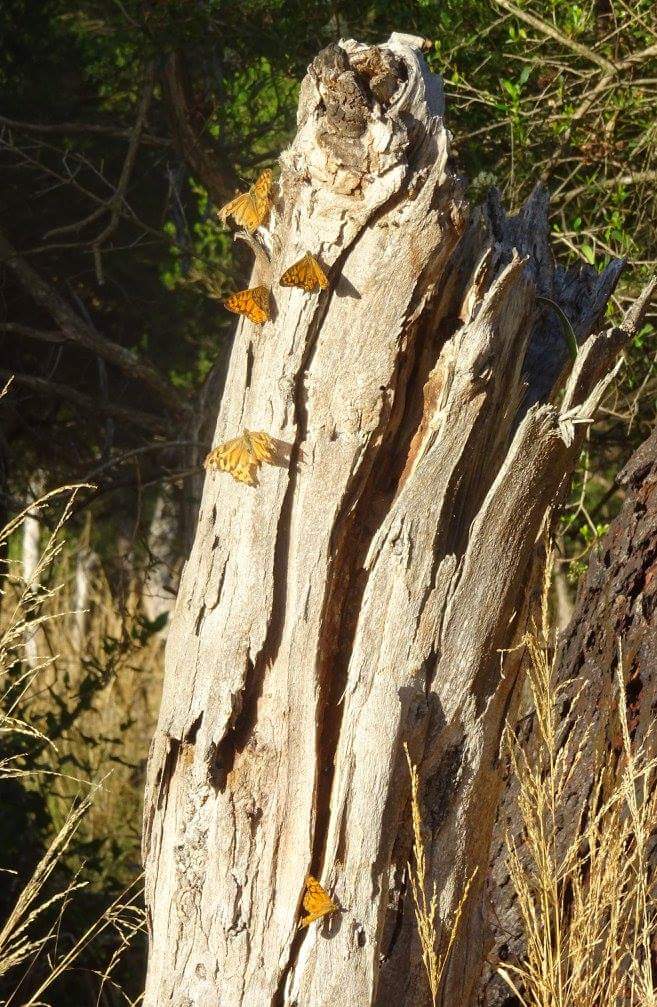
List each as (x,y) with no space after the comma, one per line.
(634,178)
(147,421)
(613,69)
(221,185)
(554,33)
(78,331)
(44,335)
(635,59)
(116,203)
(82,127)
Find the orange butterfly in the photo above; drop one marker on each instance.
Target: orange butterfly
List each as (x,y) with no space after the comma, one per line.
(254,303)
(242,456)
(251,208)
(306,274)
(316,901)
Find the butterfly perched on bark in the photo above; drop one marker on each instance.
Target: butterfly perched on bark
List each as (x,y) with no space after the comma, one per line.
(316,901)
(306,274)
(250,209)
(242,456)
(254,303)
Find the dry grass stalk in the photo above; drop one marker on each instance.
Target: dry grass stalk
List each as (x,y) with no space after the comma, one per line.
(33,924)
(585,898)
(123,710)
(436,939)
(16,942)
(23,602)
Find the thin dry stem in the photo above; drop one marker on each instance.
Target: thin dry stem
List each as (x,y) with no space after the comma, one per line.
(35,920)
(436,936)
(585,899)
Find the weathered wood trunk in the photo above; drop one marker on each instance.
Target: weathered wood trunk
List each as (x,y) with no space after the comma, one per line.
(363,596)
(615,619)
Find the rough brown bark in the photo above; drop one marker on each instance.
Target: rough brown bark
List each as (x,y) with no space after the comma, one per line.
(364,595)
(615,614)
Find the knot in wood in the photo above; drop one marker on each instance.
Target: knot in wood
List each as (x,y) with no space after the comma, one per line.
(382,70)
(344,98)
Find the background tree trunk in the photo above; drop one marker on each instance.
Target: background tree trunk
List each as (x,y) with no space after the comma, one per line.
(614,619)
(163,572)
(363,595)
(30,556)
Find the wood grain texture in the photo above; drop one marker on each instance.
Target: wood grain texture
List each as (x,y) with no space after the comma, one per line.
(363,595)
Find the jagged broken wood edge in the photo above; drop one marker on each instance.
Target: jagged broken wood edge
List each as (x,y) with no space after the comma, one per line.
(587,687)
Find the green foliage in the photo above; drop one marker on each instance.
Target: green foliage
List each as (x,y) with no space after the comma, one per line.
(521,104)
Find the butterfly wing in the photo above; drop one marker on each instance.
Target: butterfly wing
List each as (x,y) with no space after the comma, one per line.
(241,210)
(307,274)
(294,276)
(242,456)
(321,279)
(316,901)
(250,209)
(262,446)
(261,299)
(235,458)
(254,303)
(261,195)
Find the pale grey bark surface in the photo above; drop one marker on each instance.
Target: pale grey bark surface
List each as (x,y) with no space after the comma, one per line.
(364,594)
(85,562)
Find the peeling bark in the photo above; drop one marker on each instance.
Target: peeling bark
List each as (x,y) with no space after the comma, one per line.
(362,596)
(615,615)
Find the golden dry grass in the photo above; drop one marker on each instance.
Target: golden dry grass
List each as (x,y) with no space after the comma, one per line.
(436,936)
(82,804)
(586,901)
(109,736)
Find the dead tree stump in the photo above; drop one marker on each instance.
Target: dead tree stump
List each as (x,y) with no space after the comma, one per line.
(363,595)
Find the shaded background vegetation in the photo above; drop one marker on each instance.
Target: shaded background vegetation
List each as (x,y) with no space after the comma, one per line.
(123,126)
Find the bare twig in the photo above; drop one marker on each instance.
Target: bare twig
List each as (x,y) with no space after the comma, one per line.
(633,178)
(554,33)
(147,421)
(44,335)
(613,69)
(77,331)
(70,128)
(117,200)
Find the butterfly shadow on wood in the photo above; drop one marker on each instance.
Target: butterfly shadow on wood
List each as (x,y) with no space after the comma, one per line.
(329,926)
(345,288)
(273,310)
(282,453)
(326,928)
